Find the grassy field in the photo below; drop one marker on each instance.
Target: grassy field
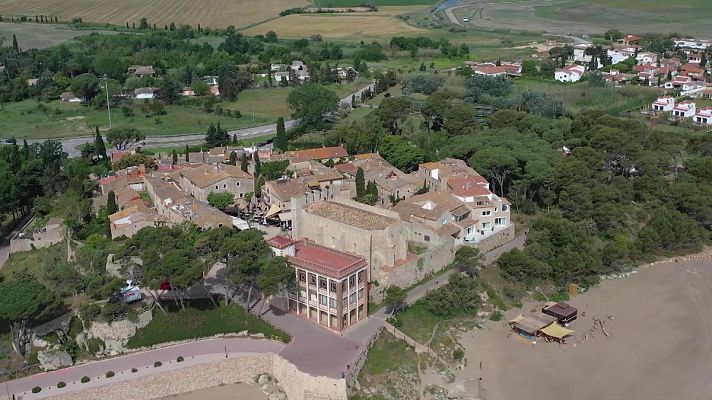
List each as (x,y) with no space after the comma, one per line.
(35,262)
(210,13)
(580,96)
(691,17)
(39,36)
(342,26)
(202,321)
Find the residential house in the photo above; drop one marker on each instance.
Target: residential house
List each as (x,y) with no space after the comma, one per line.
(617,78)
(570,73)
(300,71)
(141,70)
(646,58)
(345,72)
(684,109)
(70,97)
(278,196)
(693,71)
(126,197)
(619,55)
(579,55)
(703,116)
(489,210)
(662,104)
(335,154)
(332,285)
(693,44)
(132,219)
(437,173)
(629,40)
(392,184)
(145,93)
(504,70)
(199,182)
(32,82)
(442,212)
(694,57)
(679,82)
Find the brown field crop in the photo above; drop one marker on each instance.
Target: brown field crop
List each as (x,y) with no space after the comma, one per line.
(338,26)
(208,13)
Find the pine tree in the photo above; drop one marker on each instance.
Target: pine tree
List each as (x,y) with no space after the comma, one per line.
(258,166)
(25,150)
(99,146)
(111,206)
(15,46)
(243,162)
(259,183)
(703,61)
(233,158)
(175,157)
(187,155)
(280,141)
(360,183)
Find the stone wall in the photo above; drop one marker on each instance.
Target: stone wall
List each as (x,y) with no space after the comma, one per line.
(495,240)
(116,334)
(48,237)
(296,384)
(415,270)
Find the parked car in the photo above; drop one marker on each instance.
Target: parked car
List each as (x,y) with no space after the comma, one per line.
(130,292)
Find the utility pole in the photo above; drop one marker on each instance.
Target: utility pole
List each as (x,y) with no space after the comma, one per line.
(108,106)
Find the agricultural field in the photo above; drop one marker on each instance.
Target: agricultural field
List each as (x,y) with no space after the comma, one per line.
(356,26)
(39,36)
(208,13)
(691,17)
(378,3)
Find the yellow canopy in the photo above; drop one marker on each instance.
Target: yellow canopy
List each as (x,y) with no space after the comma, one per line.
(273,210)
(517,319)
(557,331)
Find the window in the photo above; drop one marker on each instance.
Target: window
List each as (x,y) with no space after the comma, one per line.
(224,186)
(241,195)
(486,213)
(312,296)
(332,286)
(322,283)
(352,281)
(238,184)
(302,276)
(352,298)
(323,300)
(303,294)
(426,238)
(361,276)
(504,207)
(312,279)
(360,294)
(343,285)
(485,225)
(216,186)
(500,221)
(332,302)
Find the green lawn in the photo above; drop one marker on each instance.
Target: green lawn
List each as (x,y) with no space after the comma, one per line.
(387,355)
(36,262)
(202,321)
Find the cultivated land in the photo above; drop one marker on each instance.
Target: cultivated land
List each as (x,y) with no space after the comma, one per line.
(590,16)
(659,346)
(40,36)
(341,26)
(211,13)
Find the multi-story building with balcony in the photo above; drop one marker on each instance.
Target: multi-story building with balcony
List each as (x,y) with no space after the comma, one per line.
(332,286)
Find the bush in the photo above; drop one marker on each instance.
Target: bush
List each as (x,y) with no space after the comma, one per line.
(36,389)
(61,385)
(85,379)
(134,370)
(179,359)
(496,316)
(110,374)
(157,364)
(458,354)
(559,296)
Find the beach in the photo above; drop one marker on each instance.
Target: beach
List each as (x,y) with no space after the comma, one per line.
(659,322)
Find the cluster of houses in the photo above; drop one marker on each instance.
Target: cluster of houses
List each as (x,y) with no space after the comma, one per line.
(683,110)
(343,251)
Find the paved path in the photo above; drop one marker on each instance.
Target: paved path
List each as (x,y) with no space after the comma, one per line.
(195,352)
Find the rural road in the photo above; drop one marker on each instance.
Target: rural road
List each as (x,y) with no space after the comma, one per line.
(70,145)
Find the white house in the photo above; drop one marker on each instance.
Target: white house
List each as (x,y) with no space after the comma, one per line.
(684,109)
(704,116)
(618,55)
(665,103)
(570,73)
(144,93)
(580,53)
(646,58)
(694,44)
(678,82)
(69,97)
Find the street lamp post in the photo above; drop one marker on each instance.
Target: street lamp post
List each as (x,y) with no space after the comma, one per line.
(108,106)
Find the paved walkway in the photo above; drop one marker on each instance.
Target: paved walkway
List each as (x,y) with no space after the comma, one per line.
(195,352)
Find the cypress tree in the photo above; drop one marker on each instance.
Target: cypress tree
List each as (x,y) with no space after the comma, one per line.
(14,42)
(99,145)
(233,158)
(25,149)
(360,183)
(258,166)
(259,182)
(111,206)
(243,162)
(187,156)
(280,141)
(175,157)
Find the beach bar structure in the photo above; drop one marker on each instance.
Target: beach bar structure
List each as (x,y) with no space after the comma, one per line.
(556,333)
(563,312)
(531,325)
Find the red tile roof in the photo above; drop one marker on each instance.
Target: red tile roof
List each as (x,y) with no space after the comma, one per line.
(468,185)
(280,242)
(326,261)
(319,153)
(346,168)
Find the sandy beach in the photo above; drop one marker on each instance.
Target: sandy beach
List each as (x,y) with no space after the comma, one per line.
(659,346)
(238,391)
